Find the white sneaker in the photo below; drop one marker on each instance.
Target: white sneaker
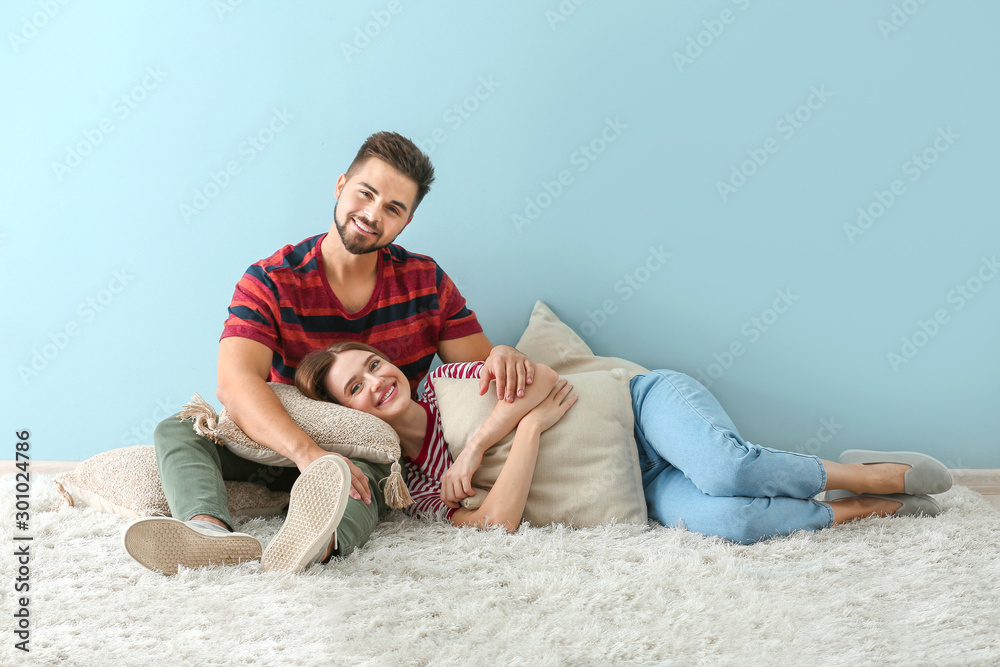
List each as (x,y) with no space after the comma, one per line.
(163,544)
(316,505)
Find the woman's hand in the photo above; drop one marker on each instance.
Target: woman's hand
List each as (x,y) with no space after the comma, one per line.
(511,370)
(553,407)
(456,483)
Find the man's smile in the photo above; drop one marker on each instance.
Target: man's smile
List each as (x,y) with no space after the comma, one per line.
(365,229)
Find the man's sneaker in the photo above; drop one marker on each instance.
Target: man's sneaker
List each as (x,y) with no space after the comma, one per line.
(163,544)
(315,507)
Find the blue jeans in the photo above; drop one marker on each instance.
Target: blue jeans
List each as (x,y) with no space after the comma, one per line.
(698,473)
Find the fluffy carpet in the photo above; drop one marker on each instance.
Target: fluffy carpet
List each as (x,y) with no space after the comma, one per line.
(898,591)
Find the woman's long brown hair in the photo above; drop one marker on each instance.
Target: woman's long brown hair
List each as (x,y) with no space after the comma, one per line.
(310,376)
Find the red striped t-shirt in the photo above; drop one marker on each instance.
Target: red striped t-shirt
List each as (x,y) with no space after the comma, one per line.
(423,474)
(286,303)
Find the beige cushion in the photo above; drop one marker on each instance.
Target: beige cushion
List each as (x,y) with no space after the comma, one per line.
(549,341)
(587,472)
(126,482)
(333,427)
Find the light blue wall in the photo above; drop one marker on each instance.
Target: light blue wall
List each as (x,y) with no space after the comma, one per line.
(118,299)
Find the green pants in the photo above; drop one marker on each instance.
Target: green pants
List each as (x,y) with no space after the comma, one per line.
(193,471)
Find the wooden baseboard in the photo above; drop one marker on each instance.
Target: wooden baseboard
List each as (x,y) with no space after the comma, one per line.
(39,467)
(983,480)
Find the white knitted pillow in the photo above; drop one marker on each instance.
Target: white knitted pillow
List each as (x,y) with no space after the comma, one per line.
(333,427)
(126,482)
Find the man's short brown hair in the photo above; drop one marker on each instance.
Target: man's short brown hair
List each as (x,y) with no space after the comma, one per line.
(402,155)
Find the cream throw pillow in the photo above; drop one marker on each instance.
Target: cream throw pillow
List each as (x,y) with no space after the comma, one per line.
(549,341)
(333,427)
(126,482)
(587,472)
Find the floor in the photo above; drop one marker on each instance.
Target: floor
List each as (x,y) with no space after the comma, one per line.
(985,482)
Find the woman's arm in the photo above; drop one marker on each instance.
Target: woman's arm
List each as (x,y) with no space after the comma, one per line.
(456,483)
(504,504)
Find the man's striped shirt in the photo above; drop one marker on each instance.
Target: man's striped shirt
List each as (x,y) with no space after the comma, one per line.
(286,303)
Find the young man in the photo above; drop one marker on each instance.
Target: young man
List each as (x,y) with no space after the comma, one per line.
(348,284)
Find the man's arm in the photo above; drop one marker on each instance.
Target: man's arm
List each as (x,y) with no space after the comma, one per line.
(511,369)
(244,366)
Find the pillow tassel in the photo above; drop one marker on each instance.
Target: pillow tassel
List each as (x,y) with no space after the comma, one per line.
(205,419)
(64,493)
(396,494)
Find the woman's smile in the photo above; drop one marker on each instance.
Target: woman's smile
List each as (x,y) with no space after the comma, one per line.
(388,395)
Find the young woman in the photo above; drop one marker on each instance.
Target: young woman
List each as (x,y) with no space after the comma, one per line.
(697,471)
(358,376)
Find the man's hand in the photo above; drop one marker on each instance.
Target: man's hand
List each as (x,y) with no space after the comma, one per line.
(359,482)
(456,483)
(511,370)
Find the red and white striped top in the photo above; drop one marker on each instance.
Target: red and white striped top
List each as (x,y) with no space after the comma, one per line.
(423,474)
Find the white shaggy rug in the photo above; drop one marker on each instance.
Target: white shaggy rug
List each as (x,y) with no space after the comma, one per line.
(874,592)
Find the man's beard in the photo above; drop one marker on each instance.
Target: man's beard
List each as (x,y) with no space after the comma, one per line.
(355,243)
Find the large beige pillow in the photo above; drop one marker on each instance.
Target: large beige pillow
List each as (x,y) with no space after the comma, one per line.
(587,472)
(549,341)
(126,482)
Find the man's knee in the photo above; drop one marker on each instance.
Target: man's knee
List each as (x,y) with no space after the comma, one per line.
(356,526)
(167,431)
(174,432)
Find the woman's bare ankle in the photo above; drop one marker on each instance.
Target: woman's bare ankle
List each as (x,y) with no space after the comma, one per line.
(884,477)
(856,507)
(866,477)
